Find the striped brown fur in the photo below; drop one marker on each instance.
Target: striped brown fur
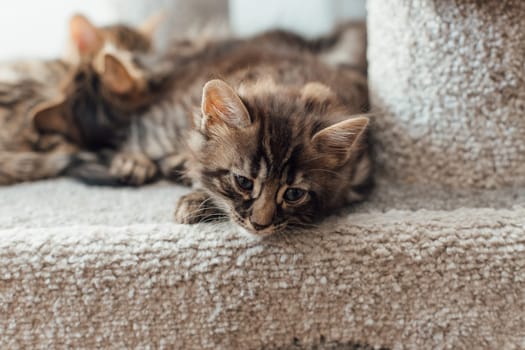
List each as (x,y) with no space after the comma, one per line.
(293,138)
(297,133)
(33,88)
(158,132)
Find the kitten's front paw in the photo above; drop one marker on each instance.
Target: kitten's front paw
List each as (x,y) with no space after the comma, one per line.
(133,168)
(173,168)
(196,207)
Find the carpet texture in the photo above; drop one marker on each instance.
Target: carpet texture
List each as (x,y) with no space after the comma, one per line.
(418,266)
(92,268)
(446,79)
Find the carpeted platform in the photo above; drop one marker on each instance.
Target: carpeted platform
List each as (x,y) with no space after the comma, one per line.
(418,266)
(105,268)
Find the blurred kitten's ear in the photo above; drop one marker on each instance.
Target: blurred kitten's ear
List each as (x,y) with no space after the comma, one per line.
(85,36)
(118,75)
(221,106)
(337,141)
(51,117)
(150,26)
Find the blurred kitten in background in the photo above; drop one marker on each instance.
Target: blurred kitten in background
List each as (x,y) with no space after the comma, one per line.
(29,88)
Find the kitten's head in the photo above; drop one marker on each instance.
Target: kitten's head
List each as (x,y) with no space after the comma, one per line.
(99,100)
(273,157)
(87,40)
(117,76)
(118,59)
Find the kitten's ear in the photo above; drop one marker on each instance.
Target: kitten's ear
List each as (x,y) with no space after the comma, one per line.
(150,26)
(51,117)
(221,106)
(85,36)
(337,141)
(117,75)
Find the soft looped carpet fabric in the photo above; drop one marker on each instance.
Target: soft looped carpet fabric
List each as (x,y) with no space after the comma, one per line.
(418,266)
(446,79)
(92,268)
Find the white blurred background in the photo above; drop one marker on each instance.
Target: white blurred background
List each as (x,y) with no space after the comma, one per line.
(309,17)
(38,28)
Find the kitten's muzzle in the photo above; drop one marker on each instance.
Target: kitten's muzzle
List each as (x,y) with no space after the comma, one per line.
(259,227)
(260,230)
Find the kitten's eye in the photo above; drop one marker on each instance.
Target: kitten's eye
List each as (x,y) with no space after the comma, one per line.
(244,183)
(294,194)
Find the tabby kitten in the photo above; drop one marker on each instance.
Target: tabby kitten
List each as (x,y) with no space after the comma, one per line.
(272,156)
(274,145)
(32,142)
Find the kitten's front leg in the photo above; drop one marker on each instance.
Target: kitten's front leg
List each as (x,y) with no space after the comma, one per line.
(173,168)
(133,168)
(196,207)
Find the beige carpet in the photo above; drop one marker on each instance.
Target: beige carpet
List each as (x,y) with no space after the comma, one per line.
(449,76)
(416,267)
(105,268)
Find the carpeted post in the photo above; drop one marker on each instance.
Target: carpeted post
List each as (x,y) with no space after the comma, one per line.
(447,78)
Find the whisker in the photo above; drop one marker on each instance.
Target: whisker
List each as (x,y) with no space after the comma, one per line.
(207,218)
(201,209)
(304,225)
(211,219)
(206,201)
(284,236)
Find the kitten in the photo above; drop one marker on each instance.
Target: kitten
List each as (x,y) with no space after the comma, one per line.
(32,143)
(155,145)
(272,156)
(275,145)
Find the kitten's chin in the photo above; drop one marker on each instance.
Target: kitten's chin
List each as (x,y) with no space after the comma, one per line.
(246,232)
(246,228)
(251,232)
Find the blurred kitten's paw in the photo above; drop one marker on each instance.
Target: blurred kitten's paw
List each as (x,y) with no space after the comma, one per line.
(133,168)
(196,207)
(173,168)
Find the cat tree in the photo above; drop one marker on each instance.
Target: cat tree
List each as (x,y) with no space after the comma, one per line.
(448,75)
(416,267)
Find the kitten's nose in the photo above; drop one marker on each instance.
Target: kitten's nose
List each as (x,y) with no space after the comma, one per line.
(259,227)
